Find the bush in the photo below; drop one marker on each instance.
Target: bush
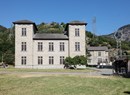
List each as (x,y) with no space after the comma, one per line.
(76,60)
(69,60)
(73,62)
(83,60)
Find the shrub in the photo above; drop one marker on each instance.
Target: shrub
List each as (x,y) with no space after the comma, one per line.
(73,62)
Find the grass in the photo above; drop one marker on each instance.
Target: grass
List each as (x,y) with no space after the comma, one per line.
(62,85)
(12,84)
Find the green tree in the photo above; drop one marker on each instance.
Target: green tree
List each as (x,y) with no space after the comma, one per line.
(53,27)
(80,60)
(77,60)
(89,34)
(93,42)
(83,60)
(8,57)
(7,47)
(63,25)
(69,61)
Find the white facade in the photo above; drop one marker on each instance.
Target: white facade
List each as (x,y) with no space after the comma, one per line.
(46,53)
(73,39)
(27,45)
(98,55)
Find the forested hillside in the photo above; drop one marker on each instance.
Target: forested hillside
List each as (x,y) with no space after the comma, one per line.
(53,27)
(105,41)
(6,45)
(2,28)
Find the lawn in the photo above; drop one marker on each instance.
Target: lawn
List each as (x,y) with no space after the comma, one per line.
(11,84)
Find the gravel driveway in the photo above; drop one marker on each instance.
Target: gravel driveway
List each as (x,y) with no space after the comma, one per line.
(101,72)
(96,72)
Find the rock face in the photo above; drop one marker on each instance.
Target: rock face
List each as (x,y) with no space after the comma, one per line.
(125,33)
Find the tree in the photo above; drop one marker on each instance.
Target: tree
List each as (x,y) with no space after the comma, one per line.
(94,42)
(69,60)
(83,60)
(8,57)
(76,60)
(7,47)
(89,34)
(73,62)
(63,25)
(53,27)
(80,60)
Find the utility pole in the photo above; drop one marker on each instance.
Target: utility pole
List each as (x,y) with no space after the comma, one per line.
(94,26)
(118,36)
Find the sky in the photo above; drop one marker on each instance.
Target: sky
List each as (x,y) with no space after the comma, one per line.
(109,14)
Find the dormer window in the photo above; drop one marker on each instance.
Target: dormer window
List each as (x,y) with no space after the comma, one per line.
(77,32)
(23,31)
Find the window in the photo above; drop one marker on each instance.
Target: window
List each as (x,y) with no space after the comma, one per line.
(23,46)
(62,60)
(62,47)
(106,61)
(40,47)
(51,60)
(40,60)
(51,46)
(99,53)
(23,60)
(99,60)
(23,31)
(89,60)
(76,31)
(77,46)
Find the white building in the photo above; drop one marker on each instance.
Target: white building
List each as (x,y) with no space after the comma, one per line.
(35,50)
(98,55)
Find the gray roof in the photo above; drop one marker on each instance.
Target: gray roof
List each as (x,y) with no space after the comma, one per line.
(77,23)
(25,22)
(50,36)
(103,48)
